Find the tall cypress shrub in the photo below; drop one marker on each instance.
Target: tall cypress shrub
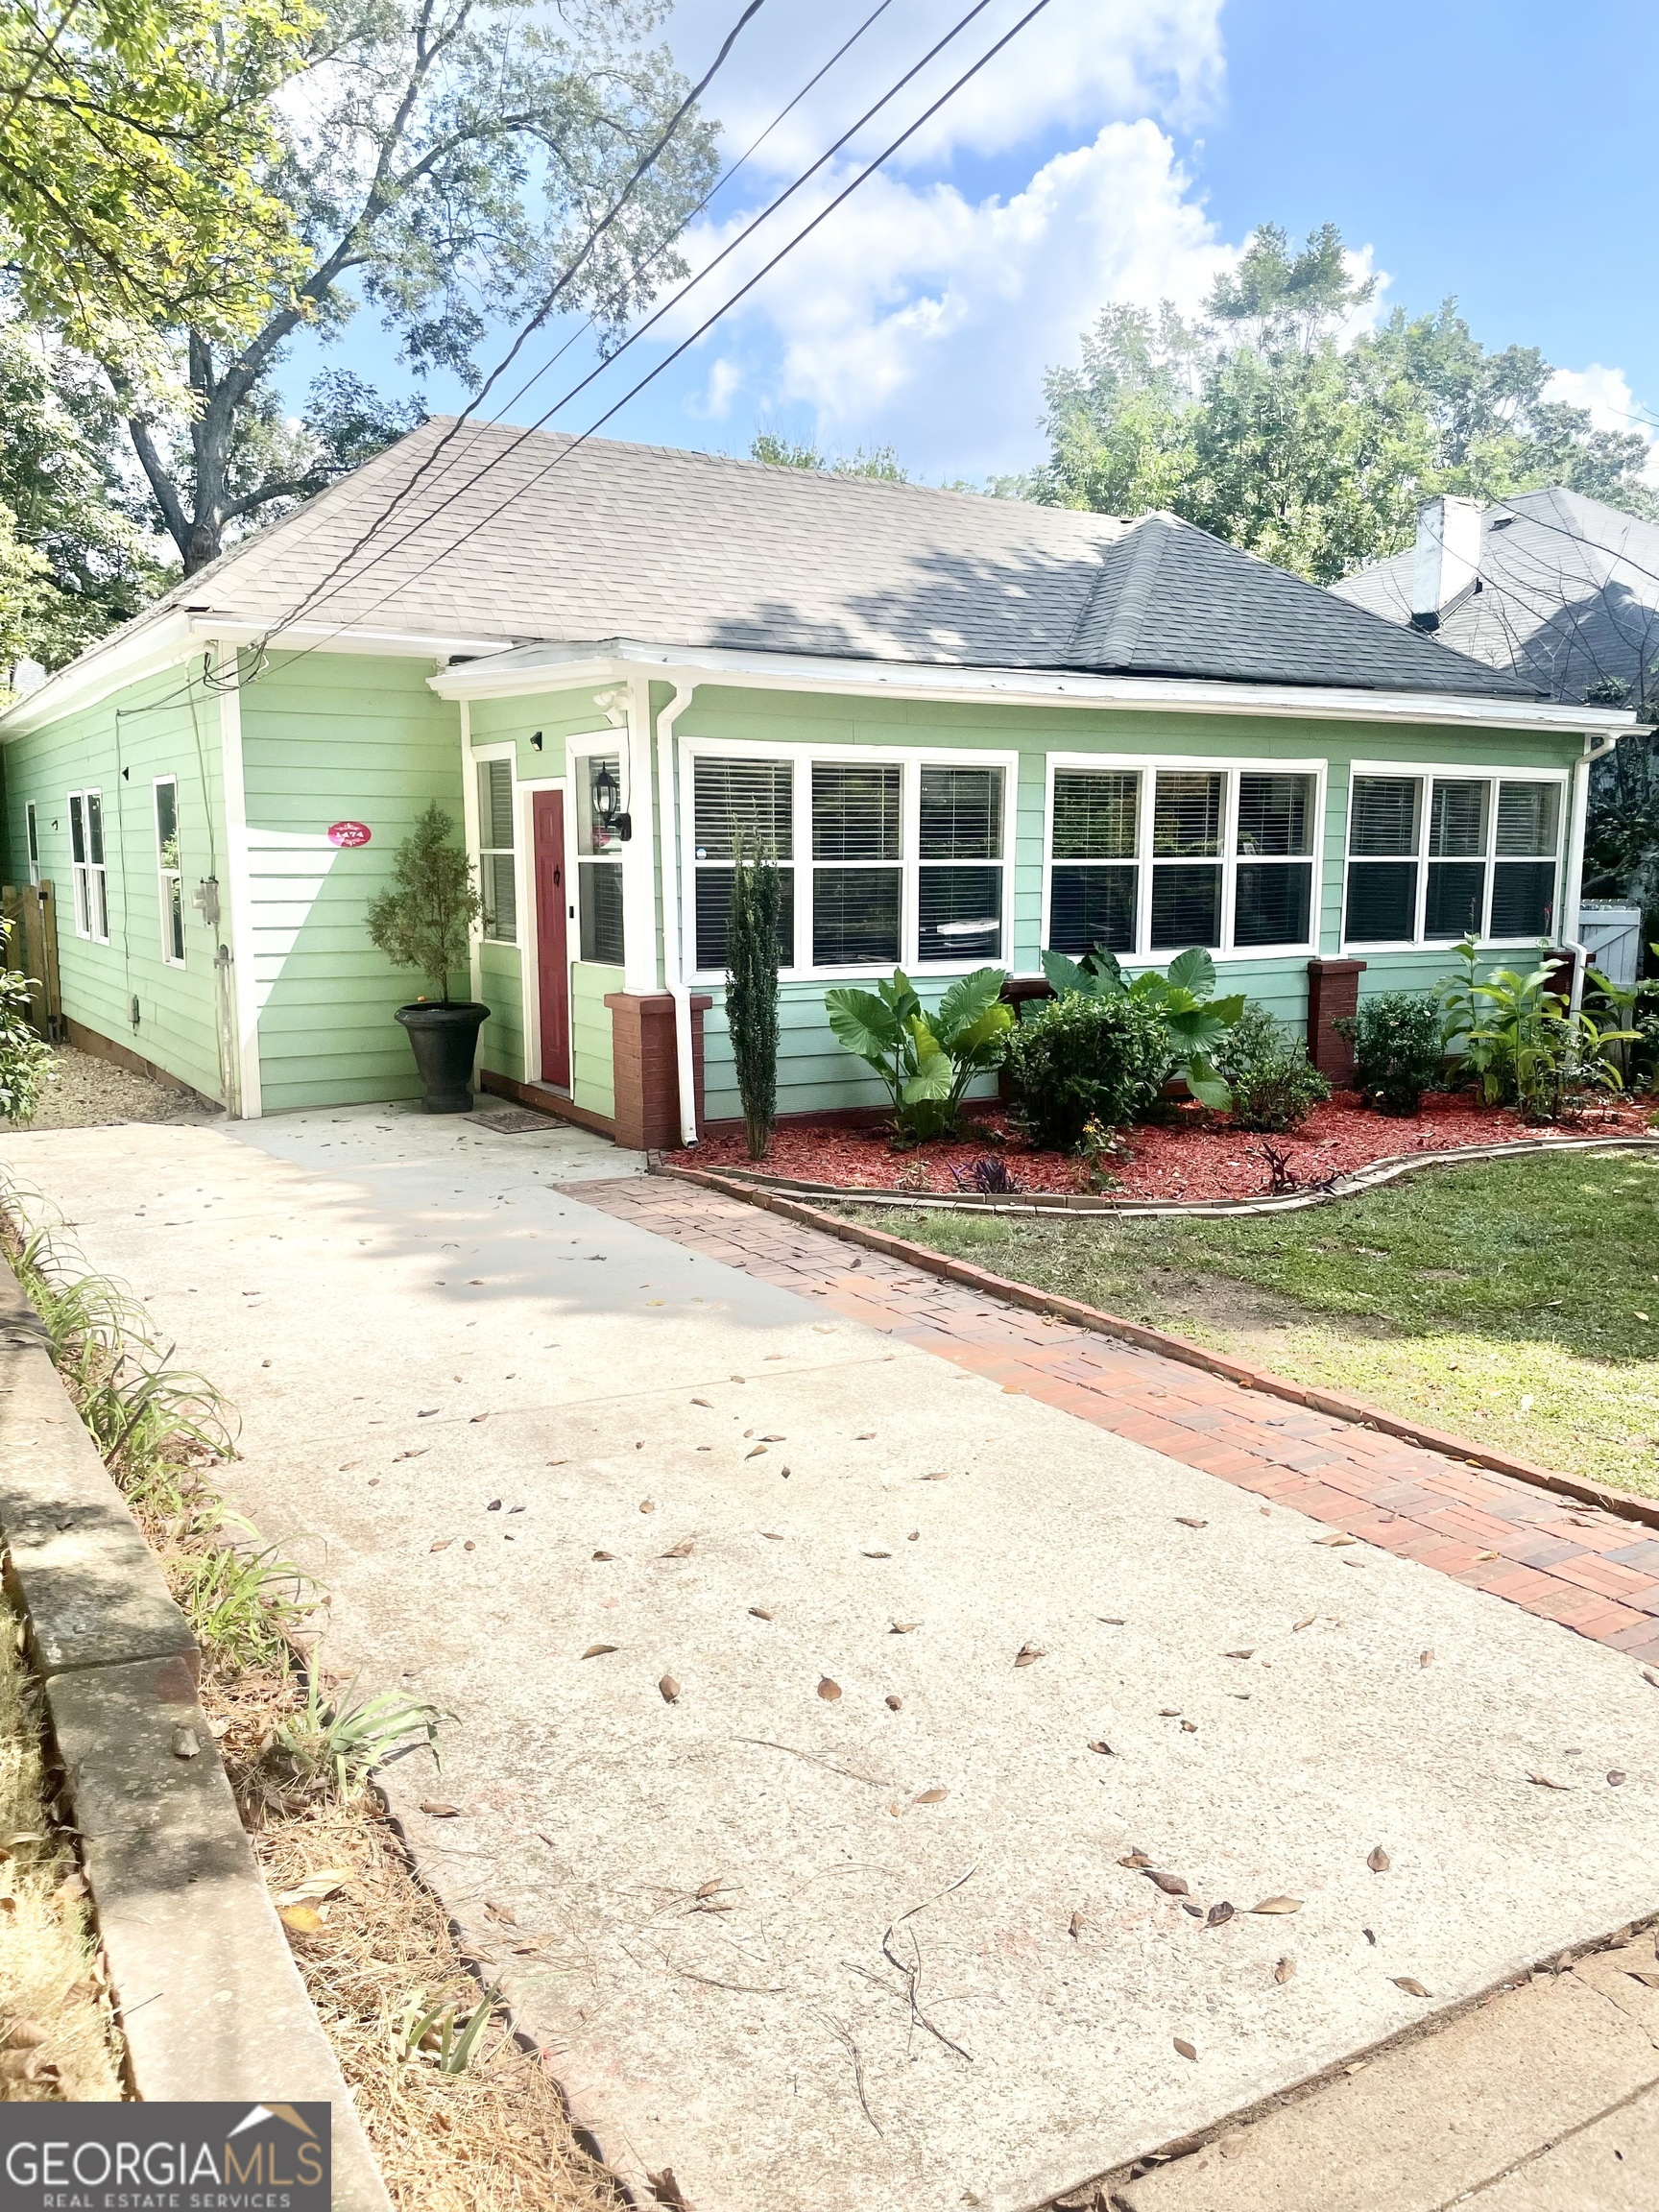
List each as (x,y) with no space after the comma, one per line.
(752,986)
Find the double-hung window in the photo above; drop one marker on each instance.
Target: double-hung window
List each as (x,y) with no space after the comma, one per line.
(1149,861)
(883,862)
(599,857)
(87,865)
(497,881)
(1435,858)
(169,871)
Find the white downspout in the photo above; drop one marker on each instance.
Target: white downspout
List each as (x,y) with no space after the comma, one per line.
(1595,749)
(673,909)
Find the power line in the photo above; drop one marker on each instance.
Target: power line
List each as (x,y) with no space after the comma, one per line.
(703,329)
(319,591)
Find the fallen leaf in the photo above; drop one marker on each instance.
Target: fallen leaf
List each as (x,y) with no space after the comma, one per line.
(877,1554)
(1104,1748)
(1647,1980)
(760,1613)
(935,1477)
(1284,1969)
(72,1888)
(1168,1712)
(670,1688)
(893,1703)
(1219,1914)
(1410,1984)
(440,1808)
(647,1505)
(1278,1905)
(1308,1623)
(1616,1776)
(1171,1885)
(756,1451)
(1487,1554)
(904,1628)
(300,1919)
(1424,1658)
(1188,1727)
(24,2035)
(1079,1921)
(1135,1859)
(598,1650)
(601,1554)
(1029,1654)
(1110,1619)
(502,1912)
(681,1550)
(185,1743)
(828,1691)
(1337,1539)
(1545,1782)
(1250,1654)
(1184,2048)
(932,1798)
(528,1949)
(702,1402)
(1378,1861)
(316,1887)
(442,1543)
(711,1888)
(1191,1521)
(770,1438)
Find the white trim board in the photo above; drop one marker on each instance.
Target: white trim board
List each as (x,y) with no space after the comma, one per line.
(239,888)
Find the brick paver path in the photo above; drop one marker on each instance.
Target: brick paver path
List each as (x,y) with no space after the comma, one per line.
(1590,1571)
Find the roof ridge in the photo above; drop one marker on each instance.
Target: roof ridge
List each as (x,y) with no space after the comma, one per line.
(1135,594)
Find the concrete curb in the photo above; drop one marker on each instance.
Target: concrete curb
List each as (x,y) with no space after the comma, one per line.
(1624,1507)
(210,2001)
(1373,1176)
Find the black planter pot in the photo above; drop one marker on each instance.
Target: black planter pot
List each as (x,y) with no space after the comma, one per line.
(445,1040)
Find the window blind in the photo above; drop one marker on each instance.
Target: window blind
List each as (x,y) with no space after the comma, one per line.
(1382,902)
(1383,817)
(1457,896)
(1273,904)
(496,806)
(497,883)
(1186,815)
(856,812)
(1523,897)
(600,908)
(1185,908)
(1097,813)
(1457,819)
(1275,813)
(1090,906)
(854,917)
(713,917)
(752,799)
(1529,818)
(961,814)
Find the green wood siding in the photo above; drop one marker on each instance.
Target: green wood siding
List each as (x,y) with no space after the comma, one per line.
(591,1083)
(501,1040)
(167,725)
(328,738)
(557,714)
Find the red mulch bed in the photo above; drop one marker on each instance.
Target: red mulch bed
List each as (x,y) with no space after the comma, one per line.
(1196,1155)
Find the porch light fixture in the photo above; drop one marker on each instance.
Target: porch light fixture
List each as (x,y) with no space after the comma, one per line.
(607,795)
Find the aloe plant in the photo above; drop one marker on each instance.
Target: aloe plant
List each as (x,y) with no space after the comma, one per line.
(925,1060)
(1184,999)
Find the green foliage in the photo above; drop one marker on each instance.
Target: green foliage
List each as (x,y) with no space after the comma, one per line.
(340,1742)
(1088,1058)
(751,959)
(25,1057)
(1267,423)
(422,920)
(880,462)
(1397,1048)
(1528,1047)
(1184,1000)
(240,1603)
(430,2031)
(1275,1085)
(925,1060)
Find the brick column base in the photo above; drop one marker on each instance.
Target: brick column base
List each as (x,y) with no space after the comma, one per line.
(645,1068)
(1333,990)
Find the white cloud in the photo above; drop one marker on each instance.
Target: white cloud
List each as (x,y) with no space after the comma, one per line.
(1078,63)
(922,318)
(1607,396)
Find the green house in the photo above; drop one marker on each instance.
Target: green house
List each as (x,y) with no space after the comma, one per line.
(971,728)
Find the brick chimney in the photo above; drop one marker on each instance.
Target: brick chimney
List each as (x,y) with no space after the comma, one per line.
(1448,557)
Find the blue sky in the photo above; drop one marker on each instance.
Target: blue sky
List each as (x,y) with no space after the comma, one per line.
(1124,149)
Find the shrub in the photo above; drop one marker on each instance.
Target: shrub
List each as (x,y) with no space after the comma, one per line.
(1080,1059)
(752,953)
(1527,1045)
(925,1060)
(1397,1048)
(425,918)
(1193,1017)
(1275,1085)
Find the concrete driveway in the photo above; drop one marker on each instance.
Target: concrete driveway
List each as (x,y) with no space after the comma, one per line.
(810,1691)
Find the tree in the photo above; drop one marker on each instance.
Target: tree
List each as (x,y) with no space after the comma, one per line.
(1273,423)
(446,161)
(880,462)
(422,920)
(751,960)
(134,138)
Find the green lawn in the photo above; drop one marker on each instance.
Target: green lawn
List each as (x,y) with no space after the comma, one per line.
(1516,1301)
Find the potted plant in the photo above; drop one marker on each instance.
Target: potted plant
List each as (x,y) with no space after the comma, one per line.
(424,920)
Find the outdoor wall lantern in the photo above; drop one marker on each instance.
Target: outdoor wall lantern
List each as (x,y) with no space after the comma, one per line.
(607,802)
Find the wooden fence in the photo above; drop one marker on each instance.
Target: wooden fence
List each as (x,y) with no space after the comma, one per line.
(30,915)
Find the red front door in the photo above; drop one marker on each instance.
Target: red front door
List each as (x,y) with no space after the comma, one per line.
(551,943)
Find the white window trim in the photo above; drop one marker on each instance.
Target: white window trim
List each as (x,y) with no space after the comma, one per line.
(507,751)
(82,872)
(1461,772)
(165,874)
(32,840)
(577,752)
(1207,764)
(911,759)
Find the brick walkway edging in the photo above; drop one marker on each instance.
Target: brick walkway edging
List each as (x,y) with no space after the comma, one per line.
(1032,1204)
(1330,1403)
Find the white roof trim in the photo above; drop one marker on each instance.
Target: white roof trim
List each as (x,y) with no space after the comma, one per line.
(535,668)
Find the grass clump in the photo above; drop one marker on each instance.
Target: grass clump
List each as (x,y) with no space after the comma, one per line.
(1515,1302)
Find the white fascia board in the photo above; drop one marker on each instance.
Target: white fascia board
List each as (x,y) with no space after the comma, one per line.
(176,637)
(541,667)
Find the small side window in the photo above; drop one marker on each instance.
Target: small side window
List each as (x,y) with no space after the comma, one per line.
(169,871)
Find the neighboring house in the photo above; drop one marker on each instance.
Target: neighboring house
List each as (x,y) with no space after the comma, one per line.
(971,728)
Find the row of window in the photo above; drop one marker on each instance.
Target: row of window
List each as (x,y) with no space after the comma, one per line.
(88,871)
(884,862)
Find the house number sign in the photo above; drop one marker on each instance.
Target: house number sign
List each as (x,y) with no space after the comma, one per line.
(350,834)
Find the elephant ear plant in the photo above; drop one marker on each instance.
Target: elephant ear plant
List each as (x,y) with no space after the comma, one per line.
(1183,1002)
(925,1060)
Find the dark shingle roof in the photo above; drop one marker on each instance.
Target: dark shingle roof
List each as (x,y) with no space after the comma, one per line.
(531,537)
(1569,595)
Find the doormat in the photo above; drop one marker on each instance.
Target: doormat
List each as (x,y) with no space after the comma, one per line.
(513,1121)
